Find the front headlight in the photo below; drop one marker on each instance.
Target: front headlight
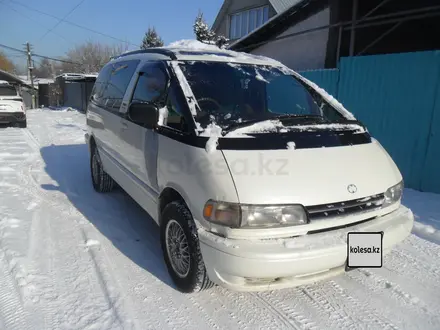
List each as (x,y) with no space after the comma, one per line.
(393,194)
(254,216)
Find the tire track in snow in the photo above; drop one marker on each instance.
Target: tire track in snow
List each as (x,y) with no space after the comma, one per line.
(401,259)
(414,245)
(379,285)
(365,313)
(291,320)
(41,276)
(327,305)
(56,202)
(331,304)
(12,313)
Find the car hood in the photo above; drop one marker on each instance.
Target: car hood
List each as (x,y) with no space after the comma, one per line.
(311,176)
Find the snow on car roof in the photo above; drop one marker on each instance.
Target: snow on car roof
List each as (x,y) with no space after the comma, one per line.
(195,50)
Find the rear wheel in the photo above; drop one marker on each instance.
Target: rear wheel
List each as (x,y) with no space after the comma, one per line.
(23,124)
(181,250)
(102,182)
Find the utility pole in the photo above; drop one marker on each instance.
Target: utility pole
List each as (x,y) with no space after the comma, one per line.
(30,68)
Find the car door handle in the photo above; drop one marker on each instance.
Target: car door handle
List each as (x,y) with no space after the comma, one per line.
(124,126)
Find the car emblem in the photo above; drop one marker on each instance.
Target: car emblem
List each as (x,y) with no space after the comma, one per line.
(352,188)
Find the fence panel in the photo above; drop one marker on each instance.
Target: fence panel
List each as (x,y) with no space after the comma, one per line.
(326,79)
(431,170)
(395,95)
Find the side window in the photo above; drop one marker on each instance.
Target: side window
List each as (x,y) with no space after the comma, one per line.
(151,83)
(100,85)
(115,89)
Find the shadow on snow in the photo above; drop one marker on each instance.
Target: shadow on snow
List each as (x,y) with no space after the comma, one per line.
(116,215)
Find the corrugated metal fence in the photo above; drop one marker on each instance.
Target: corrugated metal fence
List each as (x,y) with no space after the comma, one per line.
(398,97)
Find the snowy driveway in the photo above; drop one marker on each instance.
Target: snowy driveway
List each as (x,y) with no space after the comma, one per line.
(71,258)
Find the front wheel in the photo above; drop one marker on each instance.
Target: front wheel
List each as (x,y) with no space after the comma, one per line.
(102,182)
(181,250)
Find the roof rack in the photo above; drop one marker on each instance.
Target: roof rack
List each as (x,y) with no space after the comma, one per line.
(161,51)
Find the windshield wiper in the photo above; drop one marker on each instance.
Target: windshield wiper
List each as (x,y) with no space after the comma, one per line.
(300,117)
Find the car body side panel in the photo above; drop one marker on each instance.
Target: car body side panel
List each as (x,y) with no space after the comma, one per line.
(197,175)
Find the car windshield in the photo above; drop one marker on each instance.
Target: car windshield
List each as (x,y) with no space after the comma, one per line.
(6,90)
(230,93)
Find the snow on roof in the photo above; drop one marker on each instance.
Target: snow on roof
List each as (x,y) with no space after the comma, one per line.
(75,76)
(190,49)
(43,81)
(3,82)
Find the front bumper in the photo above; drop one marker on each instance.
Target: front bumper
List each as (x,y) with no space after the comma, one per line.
(12,117)
(256,265)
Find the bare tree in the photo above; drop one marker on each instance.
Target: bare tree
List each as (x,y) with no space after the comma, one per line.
(45,69)
(90,57)
(55,94)
(6,64)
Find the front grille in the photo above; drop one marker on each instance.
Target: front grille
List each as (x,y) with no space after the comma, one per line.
(324,211)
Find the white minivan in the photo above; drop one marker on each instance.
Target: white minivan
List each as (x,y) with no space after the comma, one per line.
(254,174)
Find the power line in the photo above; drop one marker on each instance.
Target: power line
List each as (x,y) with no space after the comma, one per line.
(29,18)
(40,56)
(63,19)
(72,23)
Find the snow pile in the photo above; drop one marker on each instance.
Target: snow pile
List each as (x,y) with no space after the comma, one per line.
(195,45)
(192,45)
(61,108)
(332,127)
(426,209)
(163,115)
(214,132)
(291,145)
(260,77)
(260,127)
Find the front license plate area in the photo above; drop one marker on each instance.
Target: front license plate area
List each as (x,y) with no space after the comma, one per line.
(364,250)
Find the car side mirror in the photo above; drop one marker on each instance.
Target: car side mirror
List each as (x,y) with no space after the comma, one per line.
(146,114)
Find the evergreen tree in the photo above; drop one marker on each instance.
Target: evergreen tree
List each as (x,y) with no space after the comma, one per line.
(206,35)
(151,39)
(202,31)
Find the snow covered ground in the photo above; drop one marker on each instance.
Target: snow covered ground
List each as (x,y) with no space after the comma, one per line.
(71,258)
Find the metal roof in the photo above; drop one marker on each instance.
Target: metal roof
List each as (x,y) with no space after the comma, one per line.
(282,5)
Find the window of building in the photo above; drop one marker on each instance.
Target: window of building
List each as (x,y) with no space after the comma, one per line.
(244,22)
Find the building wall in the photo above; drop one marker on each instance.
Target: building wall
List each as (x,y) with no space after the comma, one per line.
(239,5)
(26,94)
(306,51)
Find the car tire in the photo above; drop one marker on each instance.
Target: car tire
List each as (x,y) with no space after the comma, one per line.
(102,182)
(186,267)
(22,124)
